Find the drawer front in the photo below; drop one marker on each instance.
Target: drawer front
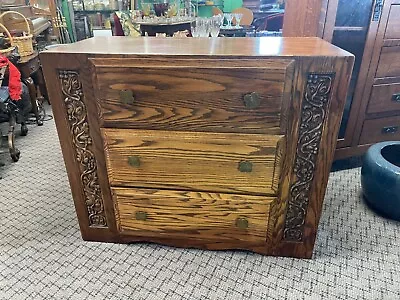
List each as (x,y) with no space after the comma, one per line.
(212,99)
(393,24)
(234,163)
(377,130)
(183,214)
(389,62)
(384,98)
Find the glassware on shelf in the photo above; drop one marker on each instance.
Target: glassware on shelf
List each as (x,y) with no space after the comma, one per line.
(172,10)
(194,27)
(238,18)
(146,8)
(216,23)
(160,8)
(229,18)
(200,27)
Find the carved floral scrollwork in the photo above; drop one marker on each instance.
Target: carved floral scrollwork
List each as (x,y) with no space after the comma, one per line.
(313,114)
(82,141)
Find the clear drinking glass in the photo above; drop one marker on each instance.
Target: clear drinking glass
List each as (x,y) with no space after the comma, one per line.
(194,27)
(238,17)
(203,27)
(229,18)
(216,23)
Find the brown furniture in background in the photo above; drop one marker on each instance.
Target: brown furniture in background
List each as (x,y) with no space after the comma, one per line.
(370,29)
(372,111)
(31,75)
(208,143)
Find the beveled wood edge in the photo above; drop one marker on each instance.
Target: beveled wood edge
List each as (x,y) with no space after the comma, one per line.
(94,123)
(278,208)
(287,96)
(276,63)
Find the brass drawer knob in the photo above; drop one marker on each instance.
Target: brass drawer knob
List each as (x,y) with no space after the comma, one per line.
(242,223)
(134,161)
(126,96)
(252,100)
(245,166)
(396,97)
(141,216)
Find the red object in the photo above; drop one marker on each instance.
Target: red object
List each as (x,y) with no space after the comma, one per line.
(118,31)
(14,79)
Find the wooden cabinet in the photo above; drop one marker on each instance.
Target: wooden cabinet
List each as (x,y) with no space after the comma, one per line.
(370,30)
(208,143)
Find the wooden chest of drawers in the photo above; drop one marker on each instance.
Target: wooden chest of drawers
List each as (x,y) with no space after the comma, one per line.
(209,143)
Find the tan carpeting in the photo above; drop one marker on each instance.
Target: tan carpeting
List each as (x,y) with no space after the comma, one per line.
(42,256)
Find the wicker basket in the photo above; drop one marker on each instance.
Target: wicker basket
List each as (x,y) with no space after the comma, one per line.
(23,43)
(6,52)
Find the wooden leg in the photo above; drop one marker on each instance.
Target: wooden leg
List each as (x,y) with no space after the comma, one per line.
(39,80)
(14,152)
(33,94)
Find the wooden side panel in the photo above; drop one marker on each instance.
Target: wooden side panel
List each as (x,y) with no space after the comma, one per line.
(317,106)
(75,113)
(194,161)
(180,214)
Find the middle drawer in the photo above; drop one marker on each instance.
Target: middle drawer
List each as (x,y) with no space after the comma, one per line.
(218,162)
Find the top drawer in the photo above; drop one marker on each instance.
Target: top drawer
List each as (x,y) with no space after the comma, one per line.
(393,24)
(243,96)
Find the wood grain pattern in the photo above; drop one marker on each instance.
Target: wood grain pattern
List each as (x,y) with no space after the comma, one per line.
(51,67)
(247,47)
(393,24)
(195,161)
(374,130)
(178,170)
(302,18)
(201,215)
(313,113)
(381,99)
(192,99)
(389,62)
(83,146)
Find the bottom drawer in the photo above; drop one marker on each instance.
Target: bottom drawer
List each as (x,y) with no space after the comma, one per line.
(383,129)
(199,215)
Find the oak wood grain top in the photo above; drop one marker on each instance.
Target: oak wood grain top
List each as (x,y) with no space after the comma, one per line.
(234,47)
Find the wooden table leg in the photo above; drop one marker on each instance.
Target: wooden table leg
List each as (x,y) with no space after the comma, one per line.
(39,80)
(33,94)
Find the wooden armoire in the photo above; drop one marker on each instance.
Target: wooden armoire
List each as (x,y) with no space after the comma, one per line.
(370,29)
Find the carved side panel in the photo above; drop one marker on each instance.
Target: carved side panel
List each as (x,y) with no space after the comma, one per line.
(313,114)
(82,141)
